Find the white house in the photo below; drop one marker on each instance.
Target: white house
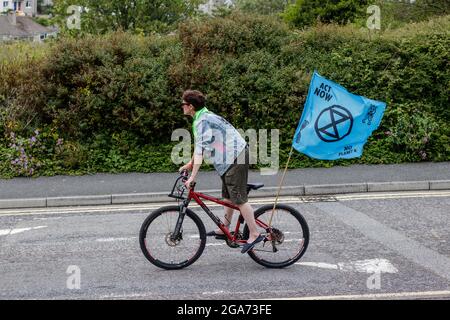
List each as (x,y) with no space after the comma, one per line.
(22,7)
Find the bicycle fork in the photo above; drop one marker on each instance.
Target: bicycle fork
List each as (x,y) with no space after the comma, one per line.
(176,235)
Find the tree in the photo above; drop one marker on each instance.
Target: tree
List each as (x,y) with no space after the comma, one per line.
(43,8)
(307,12)
(100,16)
(397,13)
(264,7)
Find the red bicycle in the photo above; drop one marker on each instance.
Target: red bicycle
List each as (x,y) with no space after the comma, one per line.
(174,237)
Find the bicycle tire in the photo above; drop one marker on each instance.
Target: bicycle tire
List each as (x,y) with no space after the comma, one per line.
(305,231)
(162,264)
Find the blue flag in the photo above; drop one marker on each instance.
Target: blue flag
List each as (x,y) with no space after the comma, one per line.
(335,123)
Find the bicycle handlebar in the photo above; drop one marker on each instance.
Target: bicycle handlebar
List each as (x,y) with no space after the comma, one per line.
(184,174)
(180,189)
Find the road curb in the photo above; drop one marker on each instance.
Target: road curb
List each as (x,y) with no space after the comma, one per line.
(335,188)
(78,201)
(398,186)
(302,190)
(23,203)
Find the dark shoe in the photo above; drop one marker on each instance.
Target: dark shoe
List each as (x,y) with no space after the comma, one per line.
(218,236)
(249,246)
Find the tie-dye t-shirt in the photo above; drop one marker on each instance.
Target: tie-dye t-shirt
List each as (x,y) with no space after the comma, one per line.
(215,138)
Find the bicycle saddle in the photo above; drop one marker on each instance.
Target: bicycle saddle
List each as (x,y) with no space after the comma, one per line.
(254,186)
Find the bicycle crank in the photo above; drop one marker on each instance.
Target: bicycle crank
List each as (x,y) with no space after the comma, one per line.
(234,244)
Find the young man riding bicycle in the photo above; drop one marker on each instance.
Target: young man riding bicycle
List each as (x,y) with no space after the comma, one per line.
(219,142)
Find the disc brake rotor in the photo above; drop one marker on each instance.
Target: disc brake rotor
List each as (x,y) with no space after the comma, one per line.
(170,242)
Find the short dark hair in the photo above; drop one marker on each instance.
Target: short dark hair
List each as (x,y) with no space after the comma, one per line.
(194,97)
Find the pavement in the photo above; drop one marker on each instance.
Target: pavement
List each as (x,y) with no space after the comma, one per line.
(106,189)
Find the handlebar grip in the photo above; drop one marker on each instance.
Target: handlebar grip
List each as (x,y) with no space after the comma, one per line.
(192,184)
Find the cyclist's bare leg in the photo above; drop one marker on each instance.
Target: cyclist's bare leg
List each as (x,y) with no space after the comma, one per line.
(228,216)
(249,216)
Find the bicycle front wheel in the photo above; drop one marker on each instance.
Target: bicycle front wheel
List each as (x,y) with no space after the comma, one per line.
(164,252)
(288,239)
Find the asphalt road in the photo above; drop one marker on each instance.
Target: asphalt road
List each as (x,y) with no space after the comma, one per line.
(388,246)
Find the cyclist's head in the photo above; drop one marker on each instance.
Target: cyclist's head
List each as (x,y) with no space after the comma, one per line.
(194,98)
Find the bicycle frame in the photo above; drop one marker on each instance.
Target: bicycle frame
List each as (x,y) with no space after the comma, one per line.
(197,196)
(173,237)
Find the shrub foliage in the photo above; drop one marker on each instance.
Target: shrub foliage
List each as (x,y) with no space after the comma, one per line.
(110,103)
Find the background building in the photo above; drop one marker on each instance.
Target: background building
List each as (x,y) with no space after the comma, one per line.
(14,27)
(22,7)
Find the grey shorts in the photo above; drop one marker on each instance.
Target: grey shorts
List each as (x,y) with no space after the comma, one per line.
(234,181)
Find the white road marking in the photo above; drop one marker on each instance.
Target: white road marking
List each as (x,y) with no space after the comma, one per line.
(321,265)
(6,232)
(391,195)
(388,295)
(115,239)
(124,296)
(213,293)
(214,244)
(293,240)
(134,207)
(396,295)
(364,266)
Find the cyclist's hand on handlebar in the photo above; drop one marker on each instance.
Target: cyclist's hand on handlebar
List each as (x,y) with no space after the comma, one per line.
(186,167)
(184,173)
(189,183)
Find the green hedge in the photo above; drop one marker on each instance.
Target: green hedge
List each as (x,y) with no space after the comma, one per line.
(110,103)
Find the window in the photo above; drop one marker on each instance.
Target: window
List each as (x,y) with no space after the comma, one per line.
(5,4)
(28,4)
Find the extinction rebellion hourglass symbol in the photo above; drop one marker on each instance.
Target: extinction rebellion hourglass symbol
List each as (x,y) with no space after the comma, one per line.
(334,124)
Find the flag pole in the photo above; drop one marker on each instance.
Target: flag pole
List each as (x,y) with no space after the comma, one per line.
(280,186)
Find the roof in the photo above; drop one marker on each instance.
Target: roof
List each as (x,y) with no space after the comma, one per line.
(25,27)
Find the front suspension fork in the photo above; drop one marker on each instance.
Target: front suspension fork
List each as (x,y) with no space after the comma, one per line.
(176,235)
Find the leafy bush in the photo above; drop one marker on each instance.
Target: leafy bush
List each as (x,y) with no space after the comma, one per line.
(110,103)
(265,7)
(394,14)
(138,17)
(308,12)
(417,133)
(398,13)
(110,85)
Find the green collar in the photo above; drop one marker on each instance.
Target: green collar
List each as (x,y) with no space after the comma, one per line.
(196,116)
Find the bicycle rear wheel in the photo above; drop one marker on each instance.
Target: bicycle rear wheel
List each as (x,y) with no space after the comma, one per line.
(156,243)
(288,241)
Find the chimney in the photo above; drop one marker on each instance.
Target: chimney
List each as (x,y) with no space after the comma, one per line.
(12,18)
(34,6)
